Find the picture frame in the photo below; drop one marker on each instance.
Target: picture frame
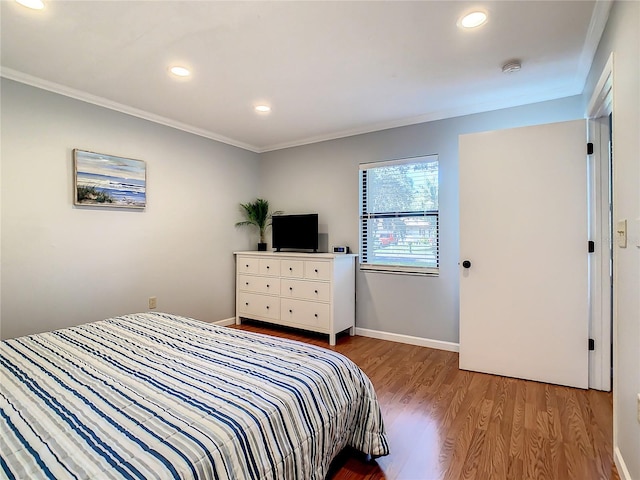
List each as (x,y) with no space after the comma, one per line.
(102,180)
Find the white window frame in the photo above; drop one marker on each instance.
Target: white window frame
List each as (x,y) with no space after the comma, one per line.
(364,216)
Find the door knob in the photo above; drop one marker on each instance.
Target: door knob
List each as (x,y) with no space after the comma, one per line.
(466,264)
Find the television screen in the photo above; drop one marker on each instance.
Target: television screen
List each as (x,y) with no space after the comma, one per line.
(298,232)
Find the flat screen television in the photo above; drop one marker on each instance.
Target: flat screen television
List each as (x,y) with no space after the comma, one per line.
(297,232)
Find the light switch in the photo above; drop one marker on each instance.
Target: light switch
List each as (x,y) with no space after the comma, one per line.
(621,233)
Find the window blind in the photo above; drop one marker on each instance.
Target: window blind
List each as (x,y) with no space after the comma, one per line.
(399,216)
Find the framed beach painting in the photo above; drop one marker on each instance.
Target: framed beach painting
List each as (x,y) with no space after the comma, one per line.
(108,181)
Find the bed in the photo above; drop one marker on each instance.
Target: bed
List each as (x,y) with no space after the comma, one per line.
(155,395)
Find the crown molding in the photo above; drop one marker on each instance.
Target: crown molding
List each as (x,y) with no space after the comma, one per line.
(470,109)
(376,127)
(119,107)
(598,22)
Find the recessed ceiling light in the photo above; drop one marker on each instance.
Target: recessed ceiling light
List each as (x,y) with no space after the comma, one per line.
(473,19)
(263,108)
(180,71)
(33,4)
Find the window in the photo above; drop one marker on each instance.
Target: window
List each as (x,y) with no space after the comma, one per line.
(399,216)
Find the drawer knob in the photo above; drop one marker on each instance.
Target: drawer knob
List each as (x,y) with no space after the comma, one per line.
(246,283)
(268,267)
(290,288)
(247,265)
(267,307)
(290,311)
(315,315)
(267,285)
(290,269)
(246,303)
(315,270)
(316,291)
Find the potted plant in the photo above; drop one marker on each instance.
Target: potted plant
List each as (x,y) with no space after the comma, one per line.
(257,214)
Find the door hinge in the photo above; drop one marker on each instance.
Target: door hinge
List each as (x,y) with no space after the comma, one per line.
(589,148)
(592,344)
(592,246)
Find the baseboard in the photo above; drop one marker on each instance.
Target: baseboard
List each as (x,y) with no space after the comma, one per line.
(226,322)
(623,471)
(393,337)
(397,337)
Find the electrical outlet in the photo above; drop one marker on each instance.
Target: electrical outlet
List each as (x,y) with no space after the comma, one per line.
(152,302)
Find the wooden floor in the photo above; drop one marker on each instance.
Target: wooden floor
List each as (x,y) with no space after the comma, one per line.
(445,423)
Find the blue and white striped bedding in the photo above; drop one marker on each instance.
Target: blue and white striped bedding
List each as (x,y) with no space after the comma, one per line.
(158,396)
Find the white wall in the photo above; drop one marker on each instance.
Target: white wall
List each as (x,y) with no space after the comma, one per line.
(622,37)
(63,265)
(323,178)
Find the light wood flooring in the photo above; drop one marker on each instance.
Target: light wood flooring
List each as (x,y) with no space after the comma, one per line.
(446,423)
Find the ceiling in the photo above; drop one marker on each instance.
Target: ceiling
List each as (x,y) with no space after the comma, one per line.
(328,69)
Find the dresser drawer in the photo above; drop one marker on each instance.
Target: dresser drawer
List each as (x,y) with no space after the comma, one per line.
(248,265)
(301,312)
(259,305)
(292,268)
(305,289)
(317,270)
(269,266)
(257,284)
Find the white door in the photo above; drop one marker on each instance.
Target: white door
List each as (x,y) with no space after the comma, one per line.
(523,229)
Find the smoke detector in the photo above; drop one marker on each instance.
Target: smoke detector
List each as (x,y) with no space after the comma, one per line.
(512,66)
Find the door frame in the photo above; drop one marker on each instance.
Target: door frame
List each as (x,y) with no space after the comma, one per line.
(601,316)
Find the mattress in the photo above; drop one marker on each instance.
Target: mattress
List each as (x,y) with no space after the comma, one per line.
(160,396)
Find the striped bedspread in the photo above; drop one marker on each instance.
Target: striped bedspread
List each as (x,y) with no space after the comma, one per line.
(158,396)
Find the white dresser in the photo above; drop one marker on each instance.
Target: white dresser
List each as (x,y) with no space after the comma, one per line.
(311,291)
